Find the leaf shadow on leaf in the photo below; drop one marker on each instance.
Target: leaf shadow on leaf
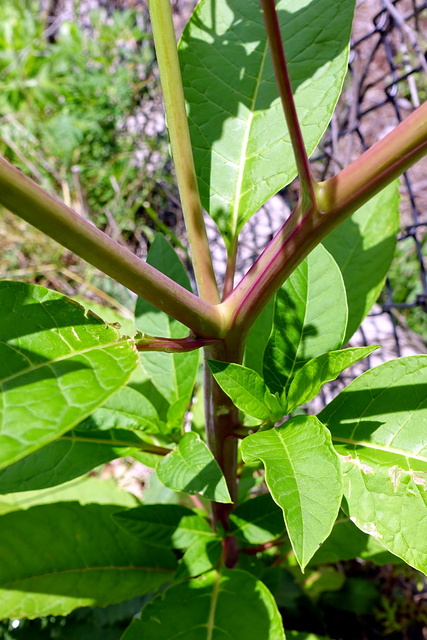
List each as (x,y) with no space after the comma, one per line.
(238,85)
(205,481)
(362,276)
(395,399)
(279,364)
(45,370)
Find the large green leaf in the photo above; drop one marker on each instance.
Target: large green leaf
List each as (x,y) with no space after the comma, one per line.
(192,468)
(379,426)
(173,374)
(218,605)
(240,141)
(57,365)
(165,525)
(363,246)
(303,474)
(55,558)
(316,372)
(74,454)
(310,318)
(247,390)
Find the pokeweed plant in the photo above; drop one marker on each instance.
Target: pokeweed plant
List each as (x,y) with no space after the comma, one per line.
(78,392)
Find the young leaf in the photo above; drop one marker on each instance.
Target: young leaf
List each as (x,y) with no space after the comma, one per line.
(240,141)
(247,390)
(57,365)
(303,474)
(257,521)
(363,246)
(379,426)
(310,318)
(203,608)
(313,375)
(192,468)
(56,558)
(165,525)
(173,374)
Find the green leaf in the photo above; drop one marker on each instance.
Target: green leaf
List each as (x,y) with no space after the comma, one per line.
(71,456)
(199,558)
(363,246)
(379,426)
(303,474)
(241,146)
(173,374)
(310,318)
(126,409)
(313,375)
(165,525)
(246,389)
(57,365)
(347,542)
(257,338)
(56,558)
(229,604)
(192,468)
(257,521)
(82,490)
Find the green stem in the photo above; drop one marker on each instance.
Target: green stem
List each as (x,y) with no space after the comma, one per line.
(182,153)
(285,91)
(337,198)
(23,197)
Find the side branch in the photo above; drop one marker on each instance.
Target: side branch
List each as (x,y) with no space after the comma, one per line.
(285,91)
(23,197)
(336,199)
(182,153)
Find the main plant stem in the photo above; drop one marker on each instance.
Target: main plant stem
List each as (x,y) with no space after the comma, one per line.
(222,421)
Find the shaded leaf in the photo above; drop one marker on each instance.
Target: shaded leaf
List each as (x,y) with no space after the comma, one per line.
(57,365)
(165,525)
(303,474)
(310,318)
(379,426)
(363,247)
(75,556)
(240,141)
(126,409)
(71,456)
(230,603)
(257,338)
(173,374)
(257,521)
(347,542)
(192,468)
(199,558)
